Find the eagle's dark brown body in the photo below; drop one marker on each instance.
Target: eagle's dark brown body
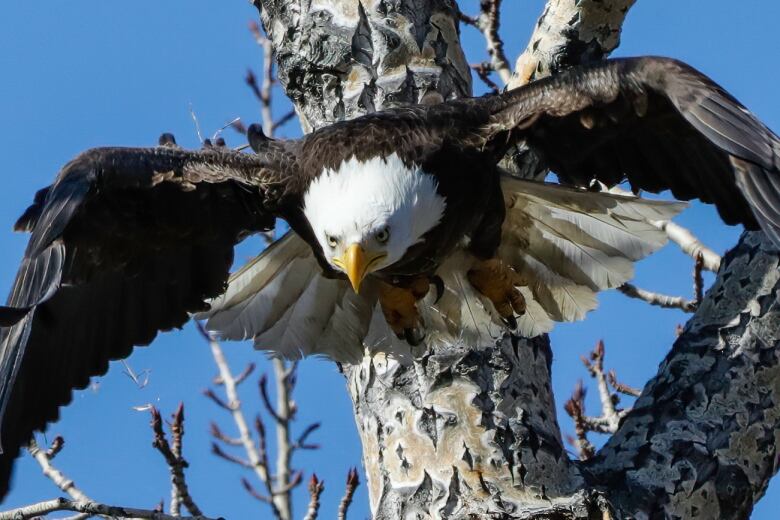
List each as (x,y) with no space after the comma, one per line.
(128,242)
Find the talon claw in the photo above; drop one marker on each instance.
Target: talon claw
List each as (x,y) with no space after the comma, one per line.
(414,336)
(438,284)
(511,322)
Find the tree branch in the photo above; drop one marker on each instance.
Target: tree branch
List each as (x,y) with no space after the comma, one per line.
(180,493)
(689,244)
(316,487)
(89,508)
(52,473)
(658,299)
(488,23)
(701,439)
(569,33)
(352,483)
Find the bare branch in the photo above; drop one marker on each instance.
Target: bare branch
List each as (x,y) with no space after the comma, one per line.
(55,447)
(285,408)
(301,444)
(609,420)
(620,387)
(660,300)
(180,493)
(283,120)
(217,450)
(263,385)
(488,22)
(483,71)
(575,407)
(218,400)
(217,433)
(550,47)
(55,475)
(352,483)
(316,488)
(254,493)
(89,508)
(689,244)
(257,460)
(595,366)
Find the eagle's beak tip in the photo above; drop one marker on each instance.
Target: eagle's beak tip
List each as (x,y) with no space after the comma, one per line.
(355,263)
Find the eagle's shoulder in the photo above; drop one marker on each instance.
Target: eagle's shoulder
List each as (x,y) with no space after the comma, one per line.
(411,132)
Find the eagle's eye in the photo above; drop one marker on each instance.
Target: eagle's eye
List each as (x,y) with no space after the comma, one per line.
(332,241)
(382,235)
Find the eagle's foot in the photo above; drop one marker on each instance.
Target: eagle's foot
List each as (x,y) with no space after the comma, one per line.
(399,306)
(498,282)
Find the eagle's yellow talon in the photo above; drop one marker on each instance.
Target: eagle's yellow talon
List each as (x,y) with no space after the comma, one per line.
(399,306)
(498,282)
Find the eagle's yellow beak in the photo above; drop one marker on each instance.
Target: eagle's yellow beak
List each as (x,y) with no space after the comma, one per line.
(357,263)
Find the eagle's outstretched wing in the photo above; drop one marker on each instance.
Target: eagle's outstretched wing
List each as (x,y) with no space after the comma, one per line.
(656,122)
(125,243)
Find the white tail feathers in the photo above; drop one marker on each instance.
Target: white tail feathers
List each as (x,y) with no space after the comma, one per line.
(567,244)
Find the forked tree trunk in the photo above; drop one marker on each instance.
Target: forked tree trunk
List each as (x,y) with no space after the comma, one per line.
(472,433)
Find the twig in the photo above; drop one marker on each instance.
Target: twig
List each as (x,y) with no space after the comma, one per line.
(488,22)
(660,300)
(55,447)
(55,475)
(316,488)
(575,407)
(263,385)
(609,420)
(620,387)
(352,483)
(257,462)
(483,70)
(172,454)
(285,409)
(217,434)
(595,366)
(301,444)
(689,244)
(282,120)
(89,508)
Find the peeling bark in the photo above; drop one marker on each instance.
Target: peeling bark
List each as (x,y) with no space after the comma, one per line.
(570,32)
(467,433)
(701,440)
(339,59)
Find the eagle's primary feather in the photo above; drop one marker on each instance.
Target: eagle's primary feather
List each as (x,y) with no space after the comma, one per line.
(127,242)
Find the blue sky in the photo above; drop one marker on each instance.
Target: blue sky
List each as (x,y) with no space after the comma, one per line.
(85,73)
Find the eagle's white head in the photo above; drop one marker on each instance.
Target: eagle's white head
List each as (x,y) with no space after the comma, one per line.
(366,215)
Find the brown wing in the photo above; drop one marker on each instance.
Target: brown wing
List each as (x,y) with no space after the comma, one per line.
(656,122)
(125,243)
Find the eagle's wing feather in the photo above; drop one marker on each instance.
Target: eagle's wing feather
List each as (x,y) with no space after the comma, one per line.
(568,244)
(656,122)
(125,243)
(282,301)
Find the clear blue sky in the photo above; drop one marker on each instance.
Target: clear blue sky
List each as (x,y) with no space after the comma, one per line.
(85,73)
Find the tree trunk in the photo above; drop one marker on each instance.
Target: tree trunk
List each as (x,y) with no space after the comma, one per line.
(472,433)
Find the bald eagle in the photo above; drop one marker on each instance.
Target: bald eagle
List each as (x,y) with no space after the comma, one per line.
(403,226)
